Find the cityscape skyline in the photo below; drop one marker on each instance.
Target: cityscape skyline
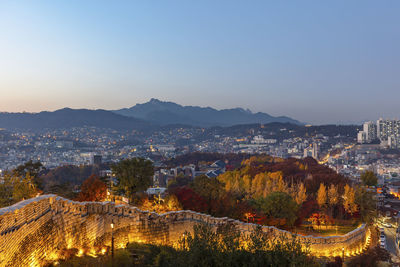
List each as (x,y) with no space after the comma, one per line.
(209,133)
(267,57)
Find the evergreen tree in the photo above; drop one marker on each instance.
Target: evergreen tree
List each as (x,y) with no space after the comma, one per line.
(369,178)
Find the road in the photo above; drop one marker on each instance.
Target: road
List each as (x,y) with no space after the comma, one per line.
(390,234)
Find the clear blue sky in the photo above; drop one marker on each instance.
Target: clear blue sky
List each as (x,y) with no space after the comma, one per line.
(316,61)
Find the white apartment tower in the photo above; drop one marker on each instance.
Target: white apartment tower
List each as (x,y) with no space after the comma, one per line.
(315,151)
(370,131)
(312,151)
(368,134)
(388,131)
(361,137)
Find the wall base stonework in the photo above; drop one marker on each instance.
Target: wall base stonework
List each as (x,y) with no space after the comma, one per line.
(37,231)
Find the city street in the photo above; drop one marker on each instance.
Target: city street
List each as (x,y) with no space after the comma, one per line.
(390,234)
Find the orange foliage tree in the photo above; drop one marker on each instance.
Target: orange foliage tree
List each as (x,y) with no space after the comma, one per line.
(93,189)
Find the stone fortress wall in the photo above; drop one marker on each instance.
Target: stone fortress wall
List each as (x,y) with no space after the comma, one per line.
(33,232)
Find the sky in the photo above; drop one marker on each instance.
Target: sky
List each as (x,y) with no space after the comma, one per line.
(316,61)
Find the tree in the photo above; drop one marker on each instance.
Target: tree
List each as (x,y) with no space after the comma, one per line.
(333,198)
(369,178)
(279,205)
(23,188)
(366,204)
(93,189)
(172,203)
(190,200)
(223,247)
(281,186)
(258,184)
(211,189)
(33,169)
(322,196)
(6,191)
(133,175)
(349,200)
(15,188)
(300,194)
(333,195)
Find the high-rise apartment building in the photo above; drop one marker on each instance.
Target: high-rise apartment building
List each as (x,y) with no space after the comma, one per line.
(388,128)
(370,131)
(387,131)
(312,151)
(368,134)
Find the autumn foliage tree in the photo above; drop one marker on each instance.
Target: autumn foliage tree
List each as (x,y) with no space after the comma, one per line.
(299,193)
(349,200)
(333,197)
(190,200)
(93,189)
(15,188)
(322,196)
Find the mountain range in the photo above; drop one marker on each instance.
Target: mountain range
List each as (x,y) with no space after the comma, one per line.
(164,113)
(139,117)
(68,118)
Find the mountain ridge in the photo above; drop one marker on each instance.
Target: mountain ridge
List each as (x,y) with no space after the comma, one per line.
(141,117)
(165,112)
(67,118)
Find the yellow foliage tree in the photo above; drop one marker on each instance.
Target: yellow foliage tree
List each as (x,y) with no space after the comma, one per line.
(281,186)
(333,195)
(349,200)
(321,196)
(258,184)
(268,189)
(247,183)
(300,193)
(15,188)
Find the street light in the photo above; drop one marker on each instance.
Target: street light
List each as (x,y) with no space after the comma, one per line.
(343,254)
(112,239)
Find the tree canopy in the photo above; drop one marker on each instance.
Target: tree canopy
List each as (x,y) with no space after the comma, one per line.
(279,205)
(33,169)
(369,178)
(15,188)
(133,175)
(93,189)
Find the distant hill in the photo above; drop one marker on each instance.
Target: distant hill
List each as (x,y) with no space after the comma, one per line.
(67,118)
(164,113)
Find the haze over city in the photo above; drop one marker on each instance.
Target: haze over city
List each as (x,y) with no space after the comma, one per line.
(311,61)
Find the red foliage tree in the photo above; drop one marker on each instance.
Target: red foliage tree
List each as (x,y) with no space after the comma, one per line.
(93,189)
(190,200)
